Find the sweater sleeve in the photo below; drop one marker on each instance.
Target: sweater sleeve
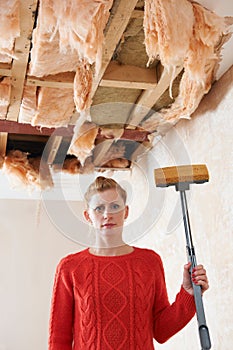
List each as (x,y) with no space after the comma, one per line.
(62,306)
(170,318)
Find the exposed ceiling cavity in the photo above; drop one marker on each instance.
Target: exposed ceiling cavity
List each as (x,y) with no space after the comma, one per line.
(89,86)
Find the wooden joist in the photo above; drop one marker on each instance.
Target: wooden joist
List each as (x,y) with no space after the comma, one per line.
(142,149)
(137,14)
(13,127)
(149,97)
(3,143)
(27,129)
(116,75)
(61,80)
(119,18)
(51,148)
(5,70)
(135,135)
(100,151)
(129,77)
(21,51)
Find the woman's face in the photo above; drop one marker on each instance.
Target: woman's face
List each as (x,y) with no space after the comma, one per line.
(107,211)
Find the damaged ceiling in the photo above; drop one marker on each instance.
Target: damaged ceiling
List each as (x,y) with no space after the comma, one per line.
(89,85)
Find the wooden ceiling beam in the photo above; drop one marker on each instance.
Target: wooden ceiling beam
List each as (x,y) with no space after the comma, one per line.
(116,75)
(21,51)
(51,149)
(127,76)
(137,14)
(142,149)
(5,70)
(11,127)
(3,143)
(100,152)
(61,80)
(149,97)
(119,18)
(133,135)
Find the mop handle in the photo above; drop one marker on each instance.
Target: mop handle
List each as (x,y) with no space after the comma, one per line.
(202,327)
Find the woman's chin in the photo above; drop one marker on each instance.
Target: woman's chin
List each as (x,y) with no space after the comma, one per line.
(111,230)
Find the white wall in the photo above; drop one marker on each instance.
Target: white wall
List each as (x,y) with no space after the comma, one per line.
(32,243)
(207,139)
(28,257)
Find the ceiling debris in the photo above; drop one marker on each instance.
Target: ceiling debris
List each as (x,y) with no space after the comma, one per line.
(83,141)
(24,171)
(73,166)
(122,71)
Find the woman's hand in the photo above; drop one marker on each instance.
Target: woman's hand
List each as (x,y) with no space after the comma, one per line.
(198,277)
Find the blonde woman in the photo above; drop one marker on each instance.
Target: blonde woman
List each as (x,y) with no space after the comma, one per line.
(113,296)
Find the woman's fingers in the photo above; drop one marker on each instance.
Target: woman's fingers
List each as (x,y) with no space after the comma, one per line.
(199,277)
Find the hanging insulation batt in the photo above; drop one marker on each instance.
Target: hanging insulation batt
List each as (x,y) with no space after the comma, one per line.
(168,26)
(200,54)
(67,33)
(9,28)
(36,106)
(83,141)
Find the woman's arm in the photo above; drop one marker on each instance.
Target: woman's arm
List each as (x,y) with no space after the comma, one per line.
(171,318)
(61,316)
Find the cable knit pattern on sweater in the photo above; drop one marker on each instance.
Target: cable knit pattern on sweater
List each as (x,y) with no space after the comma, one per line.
(114,303)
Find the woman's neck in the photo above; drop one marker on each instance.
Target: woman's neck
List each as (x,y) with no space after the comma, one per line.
(111,251)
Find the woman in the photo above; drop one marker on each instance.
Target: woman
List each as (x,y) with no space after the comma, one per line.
(113,296)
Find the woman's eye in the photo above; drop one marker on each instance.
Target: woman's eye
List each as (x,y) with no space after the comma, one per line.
(99,209)
(115,207)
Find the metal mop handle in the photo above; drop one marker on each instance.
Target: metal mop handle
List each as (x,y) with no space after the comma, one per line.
(181,177)
(203,329)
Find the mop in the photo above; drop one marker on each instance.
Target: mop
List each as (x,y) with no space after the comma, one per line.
(181,177)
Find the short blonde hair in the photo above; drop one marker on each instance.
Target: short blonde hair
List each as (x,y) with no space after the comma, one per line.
(102,184)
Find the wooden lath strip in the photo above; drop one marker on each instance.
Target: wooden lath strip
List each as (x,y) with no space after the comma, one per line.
(51,148)
(141,149)
(60,80)
(5,70)
(127,76)
(46,180)
(137,14)
(116,75)
(100,151)
(119,18)
(22,48)
(149,97)
(3,143)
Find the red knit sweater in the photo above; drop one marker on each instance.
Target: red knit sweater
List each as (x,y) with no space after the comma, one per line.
(114,303)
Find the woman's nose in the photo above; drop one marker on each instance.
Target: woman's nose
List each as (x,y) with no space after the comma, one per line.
(107,213)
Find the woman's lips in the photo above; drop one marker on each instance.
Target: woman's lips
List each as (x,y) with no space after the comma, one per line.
(108,225)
